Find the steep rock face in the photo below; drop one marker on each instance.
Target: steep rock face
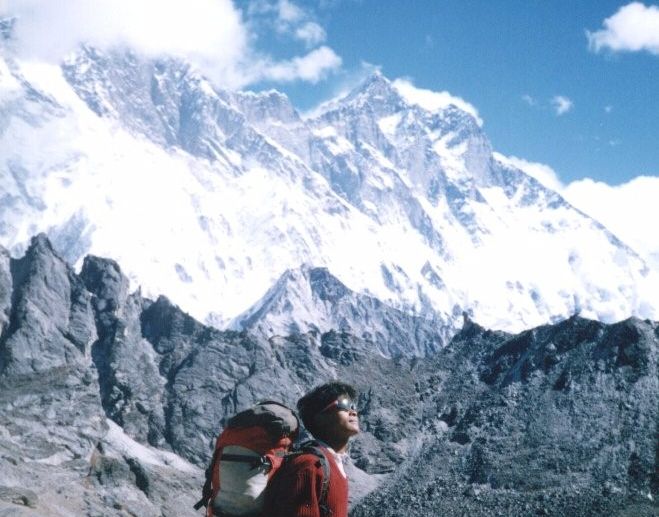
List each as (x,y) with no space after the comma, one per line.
(210,375)
(50,324)
(130,382)
(59,454)
(272,114)
(171,105)
(5,289)
(48,392)
(165,379)
(385,128)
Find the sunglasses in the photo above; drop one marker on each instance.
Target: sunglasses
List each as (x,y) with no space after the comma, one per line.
(341,404)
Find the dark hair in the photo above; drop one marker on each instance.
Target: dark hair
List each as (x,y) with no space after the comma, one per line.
(319,398)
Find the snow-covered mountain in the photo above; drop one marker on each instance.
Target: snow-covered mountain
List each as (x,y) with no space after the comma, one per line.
(210,196)
(322,304)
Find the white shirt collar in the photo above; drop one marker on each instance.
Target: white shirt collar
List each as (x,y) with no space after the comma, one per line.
(341,458)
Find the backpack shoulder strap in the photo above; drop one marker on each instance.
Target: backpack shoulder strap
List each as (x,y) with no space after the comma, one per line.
(207,491)
(313,447)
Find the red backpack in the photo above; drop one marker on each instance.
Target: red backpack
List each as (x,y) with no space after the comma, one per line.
(248,452)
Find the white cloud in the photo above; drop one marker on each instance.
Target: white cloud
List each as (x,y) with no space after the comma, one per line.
(431,100)
(529,100)
(49,30)
(311,33)
(289,12)
(211,34)
(541,172)
(629,210)
(313,67)
(562,104)
(633,28)
(292,20)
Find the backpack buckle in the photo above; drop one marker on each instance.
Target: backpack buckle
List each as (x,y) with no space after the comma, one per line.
(264,463)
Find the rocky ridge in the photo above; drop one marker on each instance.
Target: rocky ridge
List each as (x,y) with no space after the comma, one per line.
(109,403)
(560,420)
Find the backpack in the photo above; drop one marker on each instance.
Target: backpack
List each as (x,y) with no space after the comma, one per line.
(248,452)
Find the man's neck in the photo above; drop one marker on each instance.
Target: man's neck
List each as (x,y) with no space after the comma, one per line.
(340,446)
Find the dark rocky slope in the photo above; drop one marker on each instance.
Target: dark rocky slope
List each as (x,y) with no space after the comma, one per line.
(109,403)
(559,420)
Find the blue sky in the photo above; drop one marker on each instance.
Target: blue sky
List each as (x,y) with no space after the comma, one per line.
(511,59)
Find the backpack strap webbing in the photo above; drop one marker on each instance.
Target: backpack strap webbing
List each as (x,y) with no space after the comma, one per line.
(207,491)
(313,447)
(253,461)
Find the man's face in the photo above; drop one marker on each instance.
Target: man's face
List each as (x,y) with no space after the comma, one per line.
(339,421)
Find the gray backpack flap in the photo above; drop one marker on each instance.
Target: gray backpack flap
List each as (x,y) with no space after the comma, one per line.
(277,419)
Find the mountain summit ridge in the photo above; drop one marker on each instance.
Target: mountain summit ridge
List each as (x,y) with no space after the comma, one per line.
(120,156)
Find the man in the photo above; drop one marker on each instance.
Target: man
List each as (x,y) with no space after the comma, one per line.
(329,413)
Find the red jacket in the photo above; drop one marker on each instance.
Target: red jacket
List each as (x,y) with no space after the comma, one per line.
(295,489)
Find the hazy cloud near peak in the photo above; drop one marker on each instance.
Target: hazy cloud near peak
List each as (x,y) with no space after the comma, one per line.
(432,100)
(540,171)
(633,28)
(49,30)
(628,210)
(211,34)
